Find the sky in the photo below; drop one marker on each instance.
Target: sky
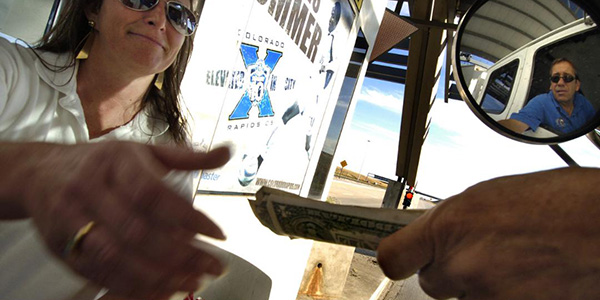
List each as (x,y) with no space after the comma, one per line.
(459,151)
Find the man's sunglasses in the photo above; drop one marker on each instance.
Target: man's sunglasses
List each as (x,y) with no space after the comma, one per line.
(567,78)
(181,17)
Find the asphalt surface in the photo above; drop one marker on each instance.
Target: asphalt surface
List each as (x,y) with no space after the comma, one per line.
(365,277)
(352,193)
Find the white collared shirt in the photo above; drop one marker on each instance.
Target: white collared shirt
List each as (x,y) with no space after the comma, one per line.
(38,104)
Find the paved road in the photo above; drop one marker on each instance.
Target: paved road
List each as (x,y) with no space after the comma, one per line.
(352,193)
(365,277)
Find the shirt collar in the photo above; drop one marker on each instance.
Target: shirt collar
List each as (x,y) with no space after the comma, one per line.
(143,128)
(554,101)
(57,70)
(577,105)
(148,123)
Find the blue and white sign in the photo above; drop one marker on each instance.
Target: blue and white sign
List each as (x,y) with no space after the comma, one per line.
(261,79)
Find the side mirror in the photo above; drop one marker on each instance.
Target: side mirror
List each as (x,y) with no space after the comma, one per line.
(529,69)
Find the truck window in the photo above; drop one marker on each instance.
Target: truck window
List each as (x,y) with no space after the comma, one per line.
(499,87)
(576,48)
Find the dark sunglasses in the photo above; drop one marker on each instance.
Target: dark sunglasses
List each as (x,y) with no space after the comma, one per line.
(181,17)
(567,78)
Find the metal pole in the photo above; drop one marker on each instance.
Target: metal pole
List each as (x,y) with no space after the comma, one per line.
(364,158)
(564,156)
(52,17)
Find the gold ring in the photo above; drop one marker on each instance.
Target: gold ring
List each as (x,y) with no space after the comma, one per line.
(75,242)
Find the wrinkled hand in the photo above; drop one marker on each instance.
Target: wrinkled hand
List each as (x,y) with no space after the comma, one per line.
(139,245)
(534,236)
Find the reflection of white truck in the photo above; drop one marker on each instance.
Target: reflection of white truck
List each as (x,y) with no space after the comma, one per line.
(506,86)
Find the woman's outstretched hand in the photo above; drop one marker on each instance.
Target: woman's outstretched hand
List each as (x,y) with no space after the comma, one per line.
(139,244)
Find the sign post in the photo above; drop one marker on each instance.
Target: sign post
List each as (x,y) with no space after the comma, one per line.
(344,164)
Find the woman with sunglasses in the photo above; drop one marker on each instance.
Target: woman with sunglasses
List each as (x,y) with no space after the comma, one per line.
(91,136)
(562,110)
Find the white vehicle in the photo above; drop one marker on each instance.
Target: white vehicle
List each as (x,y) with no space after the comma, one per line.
(506,86)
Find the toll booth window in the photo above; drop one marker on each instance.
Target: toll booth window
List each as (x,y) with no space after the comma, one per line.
(499,87)
(576,48)
(26,19)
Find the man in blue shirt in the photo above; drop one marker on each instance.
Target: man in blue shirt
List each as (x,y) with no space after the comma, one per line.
(562,110)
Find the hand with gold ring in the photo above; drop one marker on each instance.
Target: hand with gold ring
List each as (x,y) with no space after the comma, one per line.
(104,209)
(73,245)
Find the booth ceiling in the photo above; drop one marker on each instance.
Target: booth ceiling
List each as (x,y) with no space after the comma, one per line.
(498,28)
(501,27)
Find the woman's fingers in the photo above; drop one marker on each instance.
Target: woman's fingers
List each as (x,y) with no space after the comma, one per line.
(102,259)
(141,187)
(143,236)
(139,244)
(184,159)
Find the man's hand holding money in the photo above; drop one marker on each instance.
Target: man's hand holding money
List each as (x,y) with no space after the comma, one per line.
(534,236)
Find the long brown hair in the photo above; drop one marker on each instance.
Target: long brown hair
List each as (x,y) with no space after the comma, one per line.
(68,36)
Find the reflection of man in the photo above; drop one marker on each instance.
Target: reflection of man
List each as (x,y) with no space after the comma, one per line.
(562,110)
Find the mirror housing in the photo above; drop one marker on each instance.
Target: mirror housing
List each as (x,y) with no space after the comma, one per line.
(506,69)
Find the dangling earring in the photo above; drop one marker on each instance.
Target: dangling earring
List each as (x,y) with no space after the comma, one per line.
(158,82)
(85,50)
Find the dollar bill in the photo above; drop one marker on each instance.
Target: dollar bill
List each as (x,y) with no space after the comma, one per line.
(362,227)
